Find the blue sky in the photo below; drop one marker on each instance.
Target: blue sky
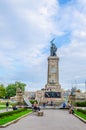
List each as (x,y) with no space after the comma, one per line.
(26,29)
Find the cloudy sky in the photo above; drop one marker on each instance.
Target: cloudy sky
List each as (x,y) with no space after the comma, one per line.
(26,29)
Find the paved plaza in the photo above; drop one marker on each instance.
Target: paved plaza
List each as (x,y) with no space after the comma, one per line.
(52,120)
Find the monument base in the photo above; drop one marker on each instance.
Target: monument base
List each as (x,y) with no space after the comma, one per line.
(50,98)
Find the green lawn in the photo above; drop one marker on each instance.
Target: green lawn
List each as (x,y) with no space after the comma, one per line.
(80,114)
(6,119)
(4,106)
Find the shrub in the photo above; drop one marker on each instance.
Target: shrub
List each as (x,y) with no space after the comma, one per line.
(80,104)
(11,112)
(33,101)
(82,111)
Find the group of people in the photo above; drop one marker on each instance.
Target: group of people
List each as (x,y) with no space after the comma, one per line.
(13,107)
(69,106)
(35,107)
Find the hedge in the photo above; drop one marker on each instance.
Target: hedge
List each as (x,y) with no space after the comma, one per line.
(80,104)
(11,112)
(82,111)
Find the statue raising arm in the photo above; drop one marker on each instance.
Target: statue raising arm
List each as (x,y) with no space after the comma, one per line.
(53,48)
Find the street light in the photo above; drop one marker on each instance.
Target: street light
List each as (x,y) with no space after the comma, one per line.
(85,90)
(85,86)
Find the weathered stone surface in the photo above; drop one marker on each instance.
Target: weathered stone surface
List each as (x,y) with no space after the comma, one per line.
(52,85)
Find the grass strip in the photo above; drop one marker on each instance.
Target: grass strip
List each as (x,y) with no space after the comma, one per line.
(80,114)
(9,118)
(1,108)
(4,107)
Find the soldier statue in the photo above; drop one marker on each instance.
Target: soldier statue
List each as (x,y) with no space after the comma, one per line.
(53,49)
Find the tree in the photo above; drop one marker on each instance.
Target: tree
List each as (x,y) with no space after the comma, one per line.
(2,91)
(11,89)
(20,85)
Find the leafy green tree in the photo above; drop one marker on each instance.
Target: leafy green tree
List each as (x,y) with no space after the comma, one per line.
(20,85)
(2,91)
(11,89)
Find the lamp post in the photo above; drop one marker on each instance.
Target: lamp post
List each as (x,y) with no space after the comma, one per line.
(85,90)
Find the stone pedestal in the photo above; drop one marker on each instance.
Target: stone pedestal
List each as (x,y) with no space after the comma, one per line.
(53,72)
(19,96)
(52,94)
(53,91)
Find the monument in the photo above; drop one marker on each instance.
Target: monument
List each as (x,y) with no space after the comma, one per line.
(53,70)
(19,96)
(52,93)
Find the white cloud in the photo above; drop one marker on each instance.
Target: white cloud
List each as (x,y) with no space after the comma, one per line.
(27,32)
(72,56)
(1,22)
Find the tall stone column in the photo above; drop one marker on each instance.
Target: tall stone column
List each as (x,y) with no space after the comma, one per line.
(53,73)
(53,70)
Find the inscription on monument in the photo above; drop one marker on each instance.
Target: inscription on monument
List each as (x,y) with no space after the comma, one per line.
(52,95)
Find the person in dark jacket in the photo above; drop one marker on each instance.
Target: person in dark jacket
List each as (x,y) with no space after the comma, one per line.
(7,105)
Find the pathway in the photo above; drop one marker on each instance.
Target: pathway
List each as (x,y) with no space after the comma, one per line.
(52,120)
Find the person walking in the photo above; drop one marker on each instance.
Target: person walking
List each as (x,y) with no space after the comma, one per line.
(7,105)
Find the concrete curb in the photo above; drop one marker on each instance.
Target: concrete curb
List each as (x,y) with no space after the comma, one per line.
(80,118)
(14,121)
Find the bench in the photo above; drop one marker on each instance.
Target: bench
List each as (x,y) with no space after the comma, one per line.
(40,113)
